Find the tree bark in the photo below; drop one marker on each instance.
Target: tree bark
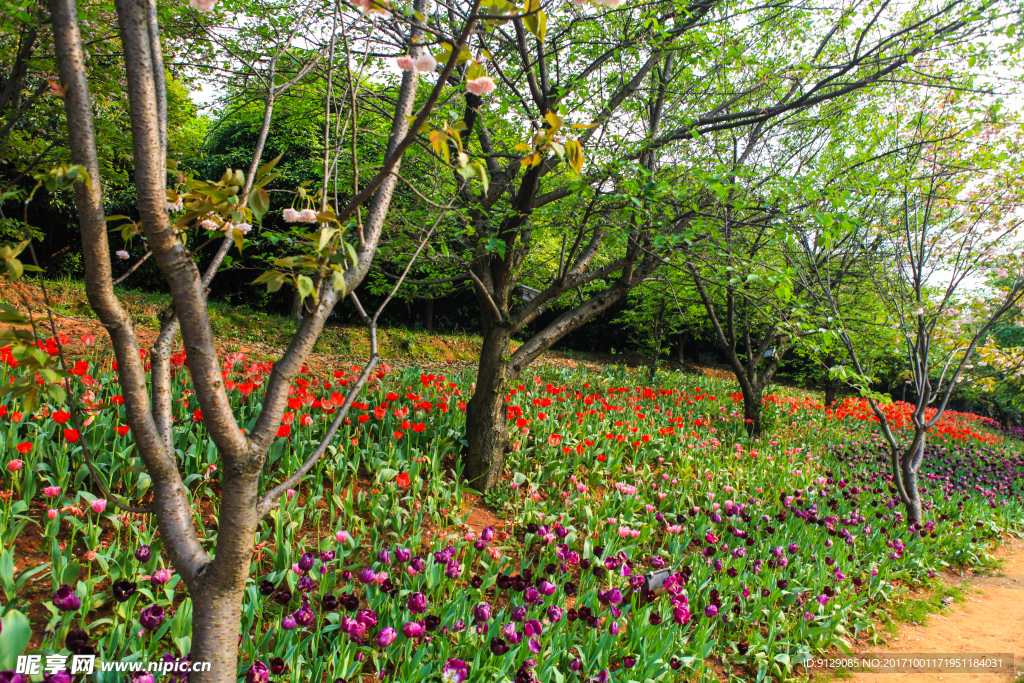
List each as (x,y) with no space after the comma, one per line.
(427,309)
(752,410)
(681,348)
(486,413)
(830,393)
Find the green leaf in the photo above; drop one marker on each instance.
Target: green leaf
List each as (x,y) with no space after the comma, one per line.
(16,634)
(305,285)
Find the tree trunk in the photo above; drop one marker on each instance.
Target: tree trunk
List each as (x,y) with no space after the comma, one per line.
(296,312)
(427,309)
(486,413)
(830,393)
(752,412)
(681,348)
(216,614)
(909,464)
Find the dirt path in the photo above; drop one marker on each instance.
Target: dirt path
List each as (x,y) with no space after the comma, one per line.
(991,621)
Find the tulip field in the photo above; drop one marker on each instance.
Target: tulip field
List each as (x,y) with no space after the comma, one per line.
(383,566)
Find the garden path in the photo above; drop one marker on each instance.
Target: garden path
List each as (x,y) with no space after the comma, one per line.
(990,621)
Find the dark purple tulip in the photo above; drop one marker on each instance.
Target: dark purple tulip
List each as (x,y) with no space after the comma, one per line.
(654,619)
(143,553)
(123,590)
(65,599)
(417,563)
(499,646)
(350,601)
(476,582)
(306,562)
(574,665)
(151,617)
(518,613)
(629,662)
(77,641)
(283,596)
(277,666)
(328,603)
(258,673)
(431,622)
(266,588)
(417,603)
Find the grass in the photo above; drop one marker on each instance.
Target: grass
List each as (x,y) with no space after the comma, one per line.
(917,610)
(242,328)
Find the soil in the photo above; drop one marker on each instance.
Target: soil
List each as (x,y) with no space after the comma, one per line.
(990,621)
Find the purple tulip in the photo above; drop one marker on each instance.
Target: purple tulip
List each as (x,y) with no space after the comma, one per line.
(554,614)
(160,577)
(384,557)
(306,562)
(288,622)
(482,612)
(518,613)
(417,603)
(367,576)
(417,563)
(143,553)
(258,673)
(151,617)
(386,636)
(487,534)
(711,611)
(65,677)
(304,616)
(403,554)
(413,629)
(65,599)
(454,671)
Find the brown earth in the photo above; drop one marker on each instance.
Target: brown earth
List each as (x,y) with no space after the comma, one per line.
(990,621)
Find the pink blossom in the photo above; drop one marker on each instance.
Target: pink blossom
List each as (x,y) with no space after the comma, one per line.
(52,514)
(203,6)
(98,505)
(342,536)
(426,63)
(52,491)
(480,86)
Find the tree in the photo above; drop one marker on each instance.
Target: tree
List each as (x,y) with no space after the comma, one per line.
(644,84)
(339,253)
(950,222)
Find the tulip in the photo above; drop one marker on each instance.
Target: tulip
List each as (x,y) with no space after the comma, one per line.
(143,553)
(413,629)
(258,673)
(288,623)
(386,636)
(417,603)
(482,612)
(123,590)
(15,465)
(454,671)
(65,599)
(151,617)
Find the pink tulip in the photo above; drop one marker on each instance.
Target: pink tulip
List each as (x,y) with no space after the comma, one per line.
(98,505)
(15,465)
(52,514)
(52,491)
(342,536)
